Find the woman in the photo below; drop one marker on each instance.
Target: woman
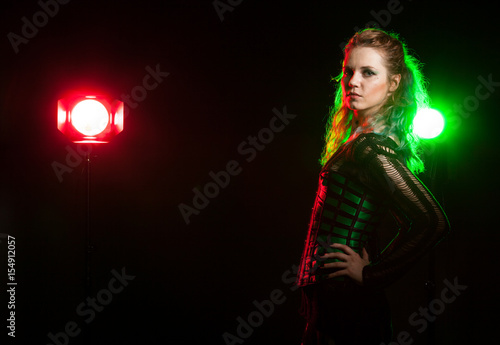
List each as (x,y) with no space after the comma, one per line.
(369,159)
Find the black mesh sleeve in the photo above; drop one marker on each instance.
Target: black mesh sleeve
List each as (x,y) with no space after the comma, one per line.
(426,222)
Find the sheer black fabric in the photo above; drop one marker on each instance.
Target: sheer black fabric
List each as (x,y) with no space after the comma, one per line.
(422,221)
(374,182)
(365,182)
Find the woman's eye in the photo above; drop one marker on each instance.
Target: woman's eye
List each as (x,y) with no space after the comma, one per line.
(369,73)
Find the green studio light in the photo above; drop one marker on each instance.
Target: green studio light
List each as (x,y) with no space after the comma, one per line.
(428,123)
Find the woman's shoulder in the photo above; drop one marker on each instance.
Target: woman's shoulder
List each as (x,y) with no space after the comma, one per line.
(371,138)
(363,147)
(367,145)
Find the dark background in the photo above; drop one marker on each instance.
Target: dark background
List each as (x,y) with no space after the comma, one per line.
(193,281)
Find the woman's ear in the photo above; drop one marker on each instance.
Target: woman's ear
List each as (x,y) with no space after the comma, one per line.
(395,79)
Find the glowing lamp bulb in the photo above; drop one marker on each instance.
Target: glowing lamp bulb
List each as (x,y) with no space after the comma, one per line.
(90,117)
(428,123)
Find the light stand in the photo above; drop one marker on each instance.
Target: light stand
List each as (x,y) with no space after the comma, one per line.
(89,119)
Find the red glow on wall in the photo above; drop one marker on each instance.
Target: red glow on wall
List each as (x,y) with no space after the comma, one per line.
(90,118)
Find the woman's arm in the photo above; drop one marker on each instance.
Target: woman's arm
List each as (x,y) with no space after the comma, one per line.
(394,181)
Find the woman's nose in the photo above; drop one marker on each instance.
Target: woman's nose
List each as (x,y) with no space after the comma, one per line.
(354,80)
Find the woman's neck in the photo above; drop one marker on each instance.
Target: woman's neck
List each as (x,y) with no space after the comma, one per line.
(368,125)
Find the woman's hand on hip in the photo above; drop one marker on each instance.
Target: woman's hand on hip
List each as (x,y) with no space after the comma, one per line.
(351,263)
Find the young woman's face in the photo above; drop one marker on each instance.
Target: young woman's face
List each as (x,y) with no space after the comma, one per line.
(365,83)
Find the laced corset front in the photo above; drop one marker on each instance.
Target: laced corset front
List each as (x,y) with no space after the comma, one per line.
(364,181)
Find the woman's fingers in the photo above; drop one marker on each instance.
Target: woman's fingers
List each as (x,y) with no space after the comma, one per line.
(365,255)
(340,264)
(337,274)
(351,263)
(344,248)
(336,255)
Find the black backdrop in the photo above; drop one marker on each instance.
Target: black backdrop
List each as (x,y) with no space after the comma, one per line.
(230,71)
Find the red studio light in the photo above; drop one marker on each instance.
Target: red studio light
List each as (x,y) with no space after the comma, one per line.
(90,119)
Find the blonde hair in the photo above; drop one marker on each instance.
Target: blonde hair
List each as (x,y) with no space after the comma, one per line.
(397,114)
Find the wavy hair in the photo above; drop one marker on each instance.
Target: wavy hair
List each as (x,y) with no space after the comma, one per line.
(397,114)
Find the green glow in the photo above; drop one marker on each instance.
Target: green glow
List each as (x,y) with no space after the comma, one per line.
(428,123)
